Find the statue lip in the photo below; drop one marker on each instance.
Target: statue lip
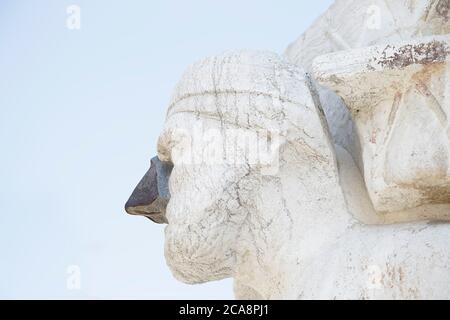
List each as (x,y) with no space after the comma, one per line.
(151,195)
(149,212)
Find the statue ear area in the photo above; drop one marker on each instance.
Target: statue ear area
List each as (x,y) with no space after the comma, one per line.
(151,195)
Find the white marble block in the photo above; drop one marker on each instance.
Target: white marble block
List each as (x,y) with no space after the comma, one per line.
(398,97)
(402,187)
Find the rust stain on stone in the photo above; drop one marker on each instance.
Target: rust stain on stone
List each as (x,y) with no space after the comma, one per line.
(437,194)
(442,8)
(427,71)
(422,84)
(425,53)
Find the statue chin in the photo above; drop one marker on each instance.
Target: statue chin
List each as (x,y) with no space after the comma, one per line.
(197,259)
(204,221)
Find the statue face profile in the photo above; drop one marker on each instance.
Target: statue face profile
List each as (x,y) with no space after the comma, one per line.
(253,185)
(225,124)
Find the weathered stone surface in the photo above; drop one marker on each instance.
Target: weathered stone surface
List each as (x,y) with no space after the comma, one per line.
(216,208)
(290,234)
(351,205)
(350,24)
(360,24)
(397,95)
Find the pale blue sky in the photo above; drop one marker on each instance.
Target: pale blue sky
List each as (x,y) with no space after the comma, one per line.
(80,112)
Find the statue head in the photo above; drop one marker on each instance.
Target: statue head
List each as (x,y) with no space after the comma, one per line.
(234,121)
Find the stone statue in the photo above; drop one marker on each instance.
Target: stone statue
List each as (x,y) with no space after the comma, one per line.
(388,122)
(323,174)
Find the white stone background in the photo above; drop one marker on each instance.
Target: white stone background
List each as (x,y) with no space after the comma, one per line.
(80,112)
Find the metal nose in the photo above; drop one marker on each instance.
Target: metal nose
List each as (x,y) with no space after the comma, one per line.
(151,195)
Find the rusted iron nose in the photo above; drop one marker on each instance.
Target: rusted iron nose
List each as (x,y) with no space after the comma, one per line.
(151,195)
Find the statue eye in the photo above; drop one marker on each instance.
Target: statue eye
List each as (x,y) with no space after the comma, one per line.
(164,149)
(172,144)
